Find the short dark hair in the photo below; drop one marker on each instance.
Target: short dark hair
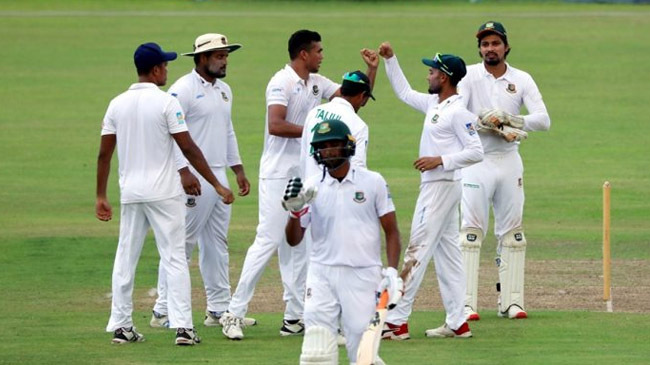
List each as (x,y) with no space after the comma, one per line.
(145,70)
(302,41)
(197,57)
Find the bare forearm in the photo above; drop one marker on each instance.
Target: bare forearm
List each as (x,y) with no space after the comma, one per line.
(103,170)
(196,158)
(294,231)
(282,128)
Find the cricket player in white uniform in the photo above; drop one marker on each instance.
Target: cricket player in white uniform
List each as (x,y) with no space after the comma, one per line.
(497,91)
(356,89)
(449,142)
(345,210)
(144,122)
(207,102)
(291,93)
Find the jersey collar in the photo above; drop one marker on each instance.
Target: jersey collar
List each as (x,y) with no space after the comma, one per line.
(339,100)
(505,76)
(350,177)
(143,85)
(203,81)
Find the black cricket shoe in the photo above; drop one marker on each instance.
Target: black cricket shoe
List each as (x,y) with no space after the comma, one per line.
(187,337)
(292,327)
(125,335)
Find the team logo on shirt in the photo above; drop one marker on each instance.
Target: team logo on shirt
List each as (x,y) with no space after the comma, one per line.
(511,88)
(224,96)
(470,128)
(434,119)
(190,203)
(314,90)
(359,197)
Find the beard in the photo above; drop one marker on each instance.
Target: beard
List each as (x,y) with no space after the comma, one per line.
(217,74)
(491,59)
(434,90)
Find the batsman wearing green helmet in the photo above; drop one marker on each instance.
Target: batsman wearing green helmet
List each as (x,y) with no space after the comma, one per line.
(347,209)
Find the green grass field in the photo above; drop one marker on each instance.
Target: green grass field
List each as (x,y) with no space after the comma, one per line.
(62,62)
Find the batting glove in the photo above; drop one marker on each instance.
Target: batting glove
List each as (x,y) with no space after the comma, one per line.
(393,284)
(296,198)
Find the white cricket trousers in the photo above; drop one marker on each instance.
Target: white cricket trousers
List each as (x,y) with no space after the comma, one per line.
(166,218)
(207,223)
(435,232)
(345,292)
(271,238)
(498,179)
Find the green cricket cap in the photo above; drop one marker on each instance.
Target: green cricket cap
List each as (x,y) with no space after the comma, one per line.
(492,27)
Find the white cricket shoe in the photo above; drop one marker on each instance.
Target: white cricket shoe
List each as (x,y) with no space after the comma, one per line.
(471,314)
(159,320)
(292,327)
(445,332)
(212,319)
(514,312)
(232,326)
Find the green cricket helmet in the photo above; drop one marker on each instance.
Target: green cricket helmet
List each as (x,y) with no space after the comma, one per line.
(332,130)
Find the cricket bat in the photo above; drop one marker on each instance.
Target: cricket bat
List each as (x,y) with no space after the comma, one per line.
(368,350)
(369,345)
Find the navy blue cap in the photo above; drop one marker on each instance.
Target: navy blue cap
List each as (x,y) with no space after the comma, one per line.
(150,54)
(451,65)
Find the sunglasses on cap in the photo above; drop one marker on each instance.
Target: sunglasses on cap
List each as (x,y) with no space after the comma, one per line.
(442,67)
(354,77)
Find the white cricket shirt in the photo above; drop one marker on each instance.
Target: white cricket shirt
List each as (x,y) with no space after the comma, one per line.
(480,90)
(448,131)
(143,118)
(281,156)
(339,109)
(208,113)
(344,218)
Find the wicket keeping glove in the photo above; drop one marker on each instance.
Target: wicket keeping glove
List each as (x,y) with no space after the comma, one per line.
(493,118)
(393,284)
(296,198)
(501,123)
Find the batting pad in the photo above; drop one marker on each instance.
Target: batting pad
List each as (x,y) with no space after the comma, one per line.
(470,243)
(511,269)
(319,347)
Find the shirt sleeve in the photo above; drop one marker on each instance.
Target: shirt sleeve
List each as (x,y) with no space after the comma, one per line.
(108,123)
(402,88)
(328,86)
(383,199)
(472,152)
(277,92)
(537,118)
(174,117)
(360,153)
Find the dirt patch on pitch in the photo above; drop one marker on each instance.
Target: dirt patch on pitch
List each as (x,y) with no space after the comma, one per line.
(550,284)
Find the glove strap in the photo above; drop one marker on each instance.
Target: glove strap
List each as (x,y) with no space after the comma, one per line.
(299,213)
